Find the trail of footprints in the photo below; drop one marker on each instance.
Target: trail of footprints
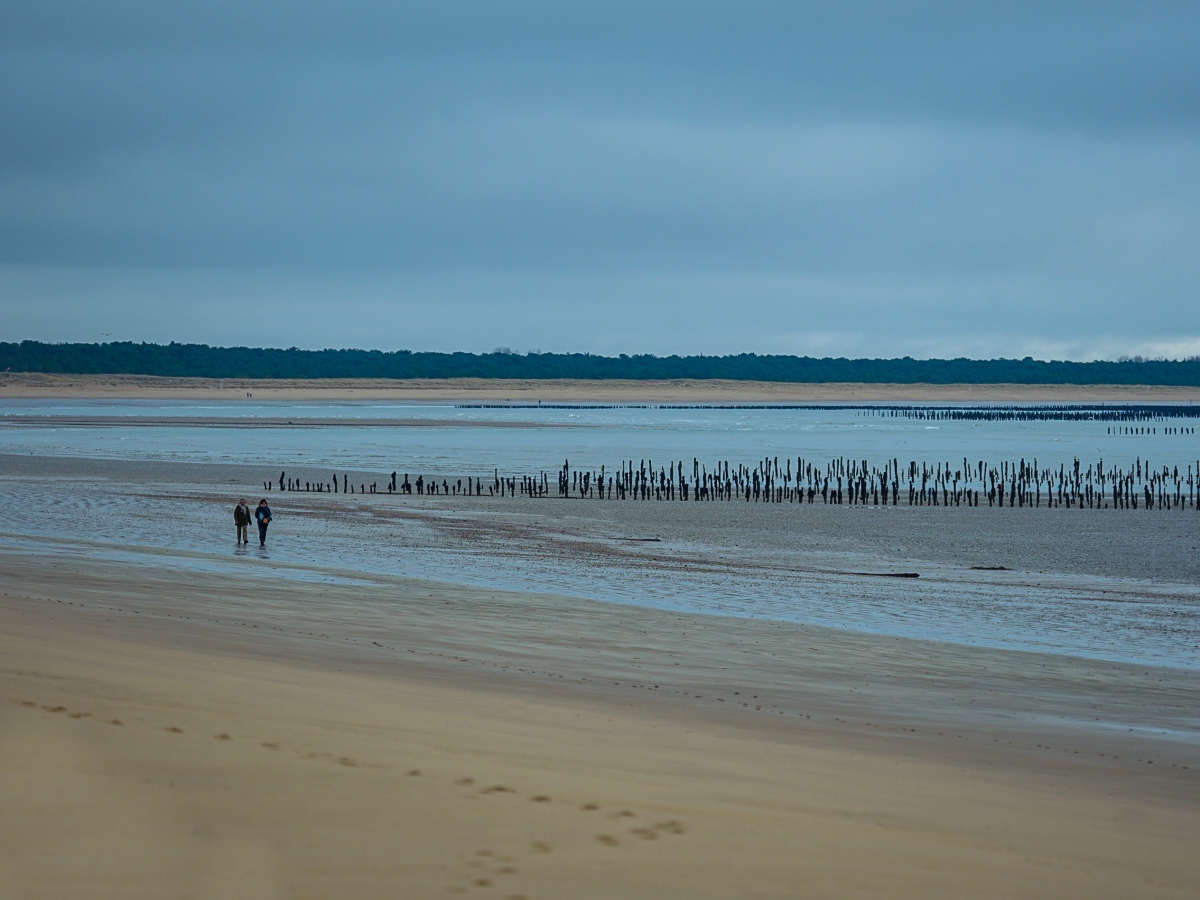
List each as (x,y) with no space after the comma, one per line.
(487,862)
(484,866)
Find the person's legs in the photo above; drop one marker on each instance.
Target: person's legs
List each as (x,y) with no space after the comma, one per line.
(243,534)
(262,534)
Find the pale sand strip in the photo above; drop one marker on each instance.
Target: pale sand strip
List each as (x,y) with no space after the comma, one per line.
(33,421)
(19,385)
(311,796)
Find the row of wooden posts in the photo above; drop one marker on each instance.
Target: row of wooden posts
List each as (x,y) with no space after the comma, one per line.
(1163,418)
(1026,412)
(840,481)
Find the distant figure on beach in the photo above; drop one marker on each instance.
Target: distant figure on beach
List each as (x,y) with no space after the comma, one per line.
(263,515)
(242,518)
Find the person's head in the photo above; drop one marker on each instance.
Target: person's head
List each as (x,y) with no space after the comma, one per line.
(242,502)
(262,502)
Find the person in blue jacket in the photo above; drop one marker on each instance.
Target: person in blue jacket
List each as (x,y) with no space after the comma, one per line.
(263,516)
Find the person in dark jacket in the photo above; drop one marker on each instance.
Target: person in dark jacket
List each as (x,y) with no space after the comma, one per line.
(242,518)
(263,515)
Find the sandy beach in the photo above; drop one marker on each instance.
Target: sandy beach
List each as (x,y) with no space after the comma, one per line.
(177,720)
(183,724)
(306,637)
(450,740)
(19,385)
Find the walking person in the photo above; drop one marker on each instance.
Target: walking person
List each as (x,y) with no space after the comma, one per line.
(242,518)
(263,515)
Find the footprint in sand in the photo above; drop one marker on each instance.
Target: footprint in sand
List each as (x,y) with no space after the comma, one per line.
(55,709)
(485,858)
(270,745)
(28,702)
(671,827)
(174,730)
(540,798)
(498,789)
(464,782)
(487,855)
(222,737)
(541,847)
(646,834)
(590,807)
(608,840)
(115,722)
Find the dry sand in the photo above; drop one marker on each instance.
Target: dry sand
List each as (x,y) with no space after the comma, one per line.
(393,737)
(474,390)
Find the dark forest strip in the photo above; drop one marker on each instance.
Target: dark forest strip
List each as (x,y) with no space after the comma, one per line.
(201,361)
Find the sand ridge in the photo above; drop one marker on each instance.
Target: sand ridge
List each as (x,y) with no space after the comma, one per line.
(30,386)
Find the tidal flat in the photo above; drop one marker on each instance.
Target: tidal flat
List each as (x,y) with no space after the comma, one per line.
(539,697)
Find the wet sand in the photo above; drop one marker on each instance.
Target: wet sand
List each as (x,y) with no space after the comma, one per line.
(1115,585)
(474,390)
(1118,552)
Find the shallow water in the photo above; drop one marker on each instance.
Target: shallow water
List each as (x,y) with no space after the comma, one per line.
(544,438)
(1102,617)
(1105,618)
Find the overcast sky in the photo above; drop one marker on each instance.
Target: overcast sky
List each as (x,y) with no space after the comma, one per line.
(860,179)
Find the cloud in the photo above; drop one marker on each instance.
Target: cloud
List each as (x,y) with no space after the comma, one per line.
(679,177)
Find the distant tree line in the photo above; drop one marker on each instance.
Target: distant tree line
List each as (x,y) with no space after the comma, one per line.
(201,361)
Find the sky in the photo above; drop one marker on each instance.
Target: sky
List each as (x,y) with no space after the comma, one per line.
(829,179)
